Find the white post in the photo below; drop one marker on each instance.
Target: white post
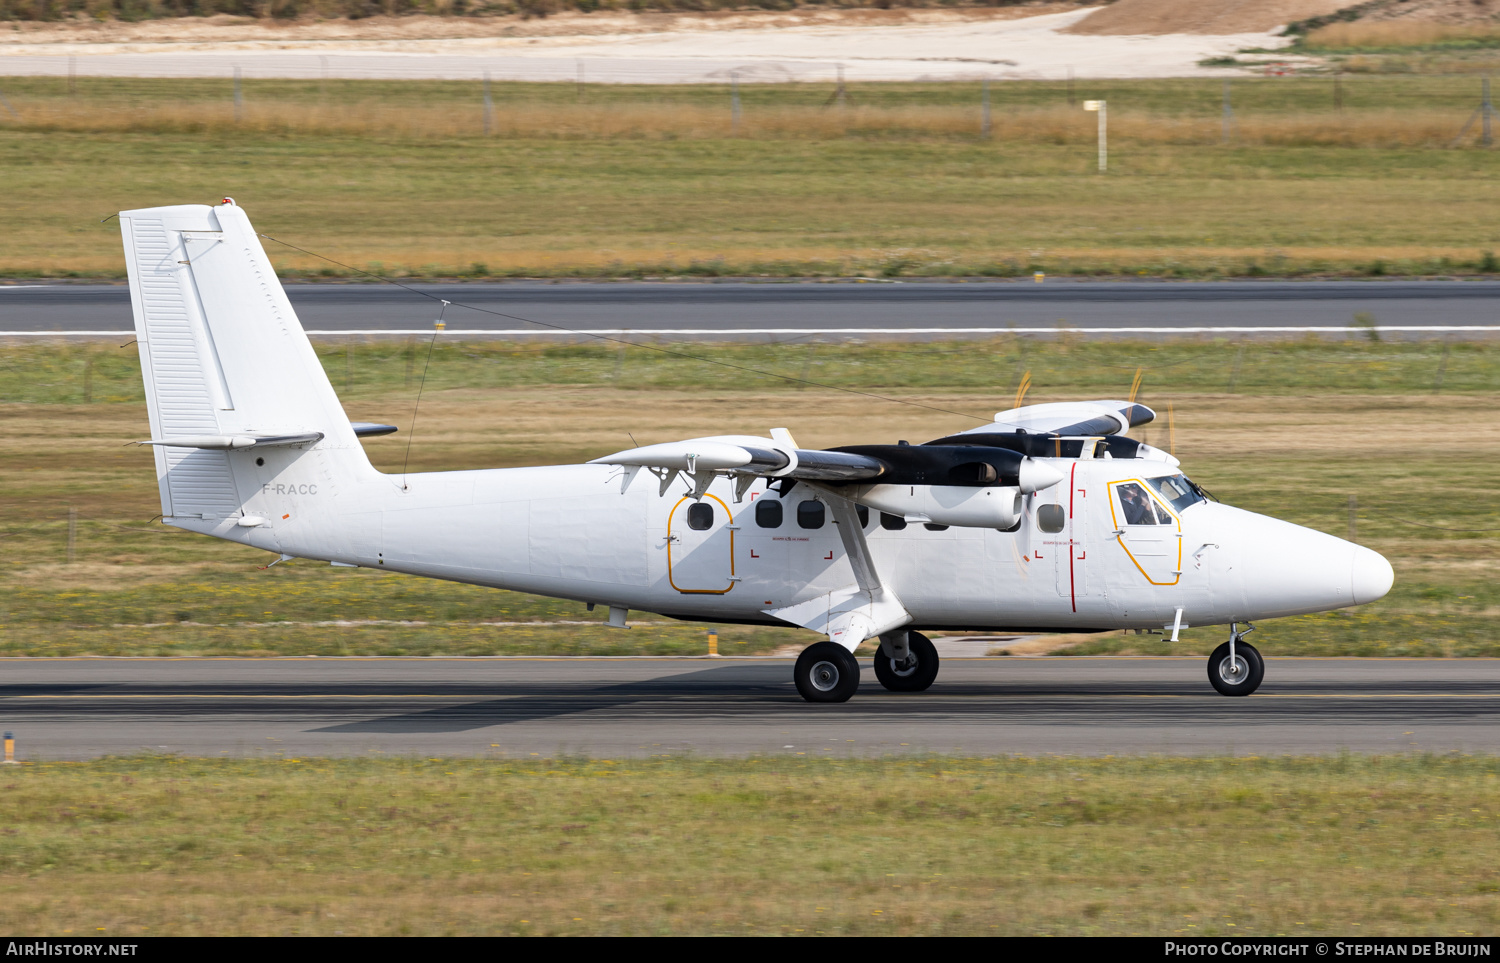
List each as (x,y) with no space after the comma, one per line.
(1100,107)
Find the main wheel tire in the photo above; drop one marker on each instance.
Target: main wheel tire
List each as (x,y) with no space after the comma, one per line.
(1241,677)
(917,674)
(826,672)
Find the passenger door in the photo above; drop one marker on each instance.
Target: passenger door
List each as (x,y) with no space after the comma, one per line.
(700,546)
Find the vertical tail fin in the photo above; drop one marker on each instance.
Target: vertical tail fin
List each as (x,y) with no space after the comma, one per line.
(222,352)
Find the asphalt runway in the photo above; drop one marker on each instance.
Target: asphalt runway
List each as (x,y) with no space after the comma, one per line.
(803,310)
(82,708)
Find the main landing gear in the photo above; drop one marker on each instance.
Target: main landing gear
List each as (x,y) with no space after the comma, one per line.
(1236,668)
(828,672)
(906,666)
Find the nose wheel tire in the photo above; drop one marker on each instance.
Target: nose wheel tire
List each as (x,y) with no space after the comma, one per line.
(916,673)
(826,672)
(1239,677)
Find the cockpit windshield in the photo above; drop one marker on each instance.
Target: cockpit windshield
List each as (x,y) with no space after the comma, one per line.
(1177,490)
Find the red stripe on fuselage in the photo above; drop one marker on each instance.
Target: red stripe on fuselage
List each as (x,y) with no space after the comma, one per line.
(1072,586)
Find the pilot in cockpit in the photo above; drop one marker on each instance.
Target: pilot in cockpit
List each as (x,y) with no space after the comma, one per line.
(1136,505)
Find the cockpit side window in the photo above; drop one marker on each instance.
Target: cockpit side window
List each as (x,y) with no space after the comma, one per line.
(1177,490)
(1138,507)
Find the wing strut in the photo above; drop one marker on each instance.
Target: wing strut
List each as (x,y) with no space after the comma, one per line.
(854,613)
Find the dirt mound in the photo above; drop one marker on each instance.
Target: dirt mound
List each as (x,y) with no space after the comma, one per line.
(1155,17)
(1447,12)
(228,29)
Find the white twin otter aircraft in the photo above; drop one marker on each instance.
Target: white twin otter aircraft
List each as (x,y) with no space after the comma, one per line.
(1047,520)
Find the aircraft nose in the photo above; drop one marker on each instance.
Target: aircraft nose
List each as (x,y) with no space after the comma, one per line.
(1290,570)
(1370,575)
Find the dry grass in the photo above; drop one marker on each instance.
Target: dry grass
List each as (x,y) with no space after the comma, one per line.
(1401,34)
(398,178)
(785,845)
(1056,126)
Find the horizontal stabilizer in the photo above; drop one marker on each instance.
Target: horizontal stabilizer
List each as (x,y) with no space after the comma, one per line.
(362,429)
(236,442)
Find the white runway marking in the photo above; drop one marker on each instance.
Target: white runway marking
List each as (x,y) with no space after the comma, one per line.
(813,332)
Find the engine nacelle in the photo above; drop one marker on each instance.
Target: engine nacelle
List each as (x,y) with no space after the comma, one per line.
(997,507)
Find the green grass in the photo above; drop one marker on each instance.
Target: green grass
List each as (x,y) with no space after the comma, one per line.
(631,181)
(794,845)
(389,370)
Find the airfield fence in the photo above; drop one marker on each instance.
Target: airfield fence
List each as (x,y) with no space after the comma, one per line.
(477,97)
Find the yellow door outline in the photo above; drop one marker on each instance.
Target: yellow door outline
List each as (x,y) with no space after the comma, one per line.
(728,515)
(1151,494)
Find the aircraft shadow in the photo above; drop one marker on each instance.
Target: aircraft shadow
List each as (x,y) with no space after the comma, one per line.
(760,692)
(711,686)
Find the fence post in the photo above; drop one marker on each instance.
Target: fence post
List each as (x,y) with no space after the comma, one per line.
(88,381)
(1353,518)
(734,101)
(239,99)
(1228,120)
(489,106)
(1484,137)
(984,123)
(72,534)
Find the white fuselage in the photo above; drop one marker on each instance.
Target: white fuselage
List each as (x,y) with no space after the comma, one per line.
(581,532)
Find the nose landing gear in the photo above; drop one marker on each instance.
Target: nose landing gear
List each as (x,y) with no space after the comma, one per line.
(1236,668)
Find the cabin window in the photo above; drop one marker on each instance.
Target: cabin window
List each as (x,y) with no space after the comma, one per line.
(768,512)
(934,528)
(864,515)
(892,523)
(700,516)
(1140,508)
(1051,518)
(810,514)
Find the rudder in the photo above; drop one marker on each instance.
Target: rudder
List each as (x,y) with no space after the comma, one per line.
(222,352)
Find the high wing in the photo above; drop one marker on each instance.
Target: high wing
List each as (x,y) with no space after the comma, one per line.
(1072,418)
(750,456)
(745,456)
